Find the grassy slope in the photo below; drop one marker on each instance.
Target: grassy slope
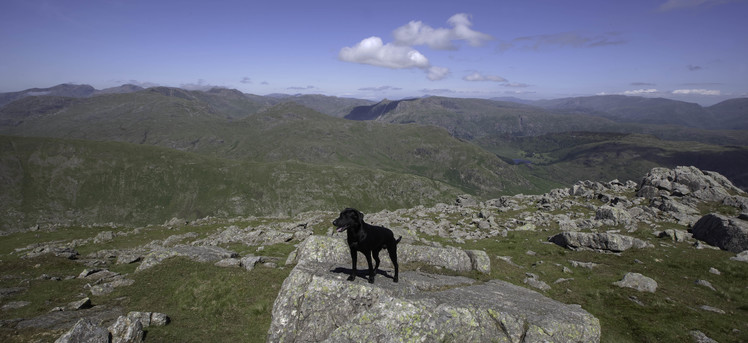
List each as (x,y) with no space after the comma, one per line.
(69,181)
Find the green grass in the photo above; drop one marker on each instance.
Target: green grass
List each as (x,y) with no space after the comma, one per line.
(204,302)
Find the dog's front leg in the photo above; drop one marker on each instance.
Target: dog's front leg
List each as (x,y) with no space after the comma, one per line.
(371,269)
(354,255)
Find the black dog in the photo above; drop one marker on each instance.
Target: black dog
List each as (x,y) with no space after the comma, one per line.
(367,239)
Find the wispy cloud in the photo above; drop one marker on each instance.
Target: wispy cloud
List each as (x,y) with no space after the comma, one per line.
(697,91)
(400,54)
(245,80)
(641,91)
(301,88)
(642,84)
(682,4)
(516,85)
(693,67)
(380,89)
(564,39)
(437,91)
(201,85)
(476,76)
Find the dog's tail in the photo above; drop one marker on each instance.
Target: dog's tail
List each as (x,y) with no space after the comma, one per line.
(398,239)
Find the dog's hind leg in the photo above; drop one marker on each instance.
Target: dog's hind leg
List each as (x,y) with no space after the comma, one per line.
(393,257)
(375,254)
(354,255)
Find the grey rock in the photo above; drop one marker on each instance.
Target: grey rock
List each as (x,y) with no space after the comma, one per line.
(615,215)
(316,305)
(676,235)
(229,262)
(195,253)
(59,320)
(533,281)
(700,337)
(127,330)
(149,319)
(712,309)
(103,237)
(706,284)
(249,262)
(741,257)
(85,331)
(729,234)
(80,304)
(598,241)
(638,282)
(715,271)
(15,305)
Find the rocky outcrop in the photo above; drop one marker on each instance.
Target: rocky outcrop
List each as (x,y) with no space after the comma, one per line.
(729,234)
(335,250)
(317,304)
(598,241)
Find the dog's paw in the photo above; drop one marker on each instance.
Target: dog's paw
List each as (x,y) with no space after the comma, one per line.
(351,278)
(371,280)
(394,279)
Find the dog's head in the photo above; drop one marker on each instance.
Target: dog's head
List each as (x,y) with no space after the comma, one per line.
(349,218)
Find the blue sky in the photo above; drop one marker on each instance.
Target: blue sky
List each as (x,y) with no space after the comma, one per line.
(693,50)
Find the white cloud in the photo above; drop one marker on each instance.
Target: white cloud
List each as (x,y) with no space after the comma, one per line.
(400,54)
(418,33)
(641,91)
(480,77)
(245,80)
(697,91)
(437,73)
(374,52)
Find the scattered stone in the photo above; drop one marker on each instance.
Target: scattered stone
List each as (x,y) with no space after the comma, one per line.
(741,257)
(706,284)
(711,309)
(715,271)
(249,262)
(85,331)
(15,305)
(80,304)
(638,282)
(103,237)
(229,262)
(533,281)
(676,235)
(636,300)
(588,265)
(700,337)
(729,234)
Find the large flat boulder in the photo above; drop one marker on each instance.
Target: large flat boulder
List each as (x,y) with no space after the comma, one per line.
(317,304)
(598,241)
(729,234)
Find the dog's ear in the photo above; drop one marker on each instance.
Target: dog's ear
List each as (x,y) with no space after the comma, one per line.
(360,217)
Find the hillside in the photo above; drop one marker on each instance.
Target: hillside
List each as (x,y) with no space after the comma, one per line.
(53,182)
(633,109)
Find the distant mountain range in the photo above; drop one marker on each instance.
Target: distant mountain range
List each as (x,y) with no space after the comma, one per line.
(71,153)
